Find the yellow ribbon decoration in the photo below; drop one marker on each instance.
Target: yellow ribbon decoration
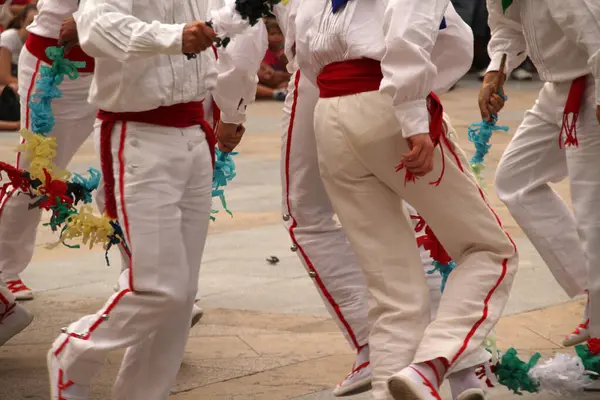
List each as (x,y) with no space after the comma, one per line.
(88,227)
(40,152)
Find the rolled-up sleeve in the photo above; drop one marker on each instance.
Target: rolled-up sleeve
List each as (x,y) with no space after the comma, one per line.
(507,36)
(237,66)
(107,29)
(410,28)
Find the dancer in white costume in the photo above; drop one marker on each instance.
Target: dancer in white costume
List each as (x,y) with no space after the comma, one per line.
(74,123)
(372,213)
(548,145)
(319,240)
(155,150)
(579,21)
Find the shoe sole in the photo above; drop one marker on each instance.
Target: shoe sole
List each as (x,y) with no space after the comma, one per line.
(53,396)
(196,318)
(575,342)
(20,330)
(363,385)
(403,389)
(23,297)
(472,394)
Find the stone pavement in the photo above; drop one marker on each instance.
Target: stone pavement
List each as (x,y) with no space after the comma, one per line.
(266,334)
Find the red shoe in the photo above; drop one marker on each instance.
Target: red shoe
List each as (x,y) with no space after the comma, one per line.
(18,288)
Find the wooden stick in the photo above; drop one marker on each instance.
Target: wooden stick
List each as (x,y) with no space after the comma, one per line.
(501,75)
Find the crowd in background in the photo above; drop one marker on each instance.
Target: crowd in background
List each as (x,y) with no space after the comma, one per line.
(15,16)
(474,13)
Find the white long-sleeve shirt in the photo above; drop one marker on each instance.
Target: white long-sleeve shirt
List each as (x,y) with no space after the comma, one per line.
(399,33)
(139,62)
(529,28)
(51,14)
(580,22)
(452,52)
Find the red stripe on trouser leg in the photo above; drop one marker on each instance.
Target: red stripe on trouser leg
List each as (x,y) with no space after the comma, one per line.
(106,162)
(121,156)
(494,288)
(95,325)
(317,278)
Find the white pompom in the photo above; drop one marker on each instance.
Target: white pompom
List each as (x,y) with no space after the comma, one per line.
(562,375)
(227,22)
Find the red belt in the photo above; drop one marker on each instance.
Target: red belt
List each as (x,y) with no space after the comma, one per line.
(37,46)
(572,108)
(364,75)
(182,115)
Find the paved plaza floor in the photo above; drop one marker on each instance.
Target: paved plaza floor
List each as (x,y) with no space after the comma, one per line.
(266,334)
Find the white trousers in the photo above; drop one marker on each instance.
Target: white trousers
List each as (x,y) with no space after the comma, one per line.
(74,122)
(567,242)
(163,179)
(322,245)
(359,144)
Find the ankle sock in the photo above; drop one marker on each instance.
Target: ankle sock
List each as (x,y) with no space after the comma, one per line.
(433,370)
(463,380)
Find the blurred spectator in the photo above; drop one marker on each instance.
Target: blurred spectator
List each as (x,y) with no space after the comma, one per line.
(9,10)
(12,41)
(273,77)
(474,13)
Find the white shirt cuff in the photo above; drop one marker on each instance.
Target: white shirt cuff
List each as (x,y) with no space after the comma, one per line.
(171,38)
(413,117)
(236,118)
(495,62)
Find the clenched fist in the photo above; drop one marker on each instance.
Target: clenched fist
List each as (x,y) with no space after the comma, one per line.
(197,37)
(68,34)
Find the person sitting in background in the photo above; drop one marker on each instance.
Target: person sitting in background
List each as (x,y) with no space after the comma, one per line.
(273,77)
(474,13)
(12,41)
(9,9)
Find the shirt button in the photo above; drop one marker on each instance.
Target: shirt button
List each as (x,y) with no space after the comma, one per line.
(133,142)
(190,146)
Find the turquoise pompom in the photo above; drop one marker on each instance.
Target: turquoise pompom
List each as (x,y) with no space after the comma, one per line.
(224,173)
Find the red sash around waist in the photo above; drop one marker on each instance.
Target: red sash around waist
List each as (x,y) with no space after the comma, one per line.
(176,116)
(349,77)
(364,75)
(37,46)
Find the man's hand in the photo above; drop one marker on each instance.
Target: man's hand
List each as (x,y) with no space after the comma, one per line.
(197,37)
(229,136)
(68,34)
(490,102)
(419,160)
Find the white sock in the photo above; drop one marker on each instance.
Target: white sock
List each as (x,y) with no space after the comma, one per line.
(433,370)
(463,380)
(363,356)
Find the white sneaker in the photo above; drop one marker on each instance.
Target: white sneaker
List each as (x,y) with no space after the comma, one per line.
(580,335)
(18,288)
(521,74)
(60,387)
(197,313)
(13,320)
(357,381)
(472,394)
(411,384)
